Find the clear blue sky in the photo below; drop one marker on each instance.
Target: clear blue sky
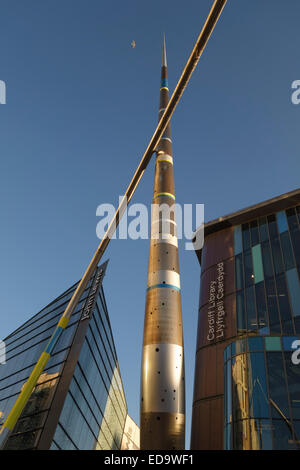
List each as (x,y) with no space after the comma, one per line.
(81,107)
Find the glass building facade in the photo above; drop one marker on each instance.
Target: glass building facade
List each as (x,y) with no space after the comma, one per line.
(78,402)
(262,394)
(131,435)
(248,328)
(267,267)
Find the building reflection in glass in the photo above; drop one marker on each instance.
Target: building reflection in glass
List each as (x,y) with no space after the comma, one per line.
(261,394)
(27,429)
(131,435)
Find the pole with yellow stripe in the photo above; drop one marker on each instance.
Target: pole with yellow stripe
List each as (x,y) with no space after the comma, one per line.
(31,382)
(196,53)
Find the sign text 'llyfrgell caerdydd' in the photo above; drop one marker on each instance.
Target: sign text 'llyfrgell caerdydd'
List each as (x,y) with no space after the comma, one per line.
(216,309)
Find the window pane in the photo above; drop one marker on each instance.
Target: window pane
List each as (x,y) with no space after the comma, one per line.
(287,250)
(272,226)
(277,256)
(240,346)
(254,233)
(263,229)
(298,213)
(248,267)
(297,433)
(282,435)
(238,239)
(228,431)
(294,290)
(239,387)
(261,308)
(264,429)
(227,353)
(240,312)
(282,222)
(272,307)
(228,408)
(267,260)
(292,219)
(284,305)
(239,274)
(258,395)
(54,446)
(273,343)
(293,377)
(24,441)
(251,310)
(287,342)
(295,236)
(257,264)
(246,236)
(277,385)
(255,344)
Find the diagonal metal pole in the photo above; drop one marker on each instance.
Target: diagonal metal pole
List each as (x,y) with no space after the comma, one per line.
(196,53)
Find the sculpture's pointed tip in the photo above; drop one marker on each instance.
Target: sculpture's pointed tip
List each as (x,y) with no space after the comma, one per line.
(164,54)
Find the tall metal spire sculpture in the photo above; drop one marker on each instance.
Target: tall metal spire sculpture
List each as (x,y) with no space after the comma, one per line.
(162,384)
(27,388)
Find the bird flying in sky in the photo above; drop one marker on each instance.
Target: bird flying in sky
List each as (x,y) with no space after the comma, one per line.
(133,44)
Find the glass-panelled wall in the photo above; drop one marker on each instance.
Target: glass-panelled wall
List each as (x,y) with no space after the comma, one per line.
(262,382)
(267,270)
(262,393)
(23,349)
(94,412)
